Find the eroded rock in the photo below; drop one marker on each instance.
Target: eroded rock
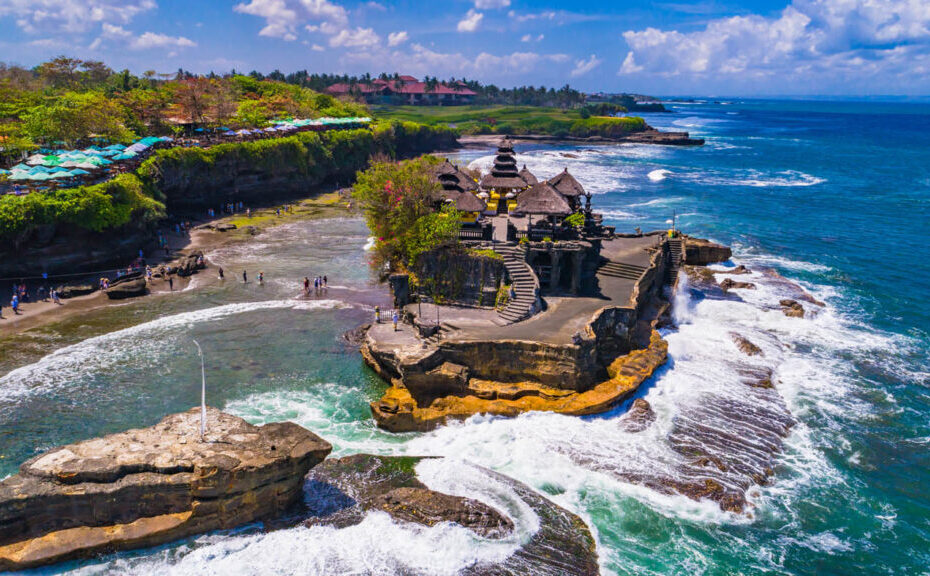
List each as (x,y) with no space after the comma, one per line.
(792,308)
(639,417)
(153,485)
(730,284)
(127,289)
(700,252)
(190,264)
(745,346)
(341,491)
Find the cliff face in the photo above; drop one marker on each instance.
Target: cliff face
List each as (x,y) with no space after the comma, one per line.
(150,486)
(465,278)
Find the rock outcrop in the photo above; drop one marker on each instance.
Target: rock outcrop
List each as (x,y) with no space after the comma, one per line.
(153,485)
(190,264)
(745,346)
(75,291)
(404,409)
(700,252)
(128,289)
(730,284)
(792,308)
(639,417)
(341,491)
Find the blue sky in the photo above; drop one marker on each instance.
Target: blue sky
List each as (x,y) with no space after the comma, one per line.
(757,47)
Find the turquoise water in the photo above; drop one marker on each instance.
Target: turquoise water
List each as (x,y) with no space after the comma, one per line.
(834,196)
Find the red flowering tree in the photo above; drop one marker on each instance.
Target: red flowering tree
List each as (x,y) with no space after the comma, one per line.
(396,199)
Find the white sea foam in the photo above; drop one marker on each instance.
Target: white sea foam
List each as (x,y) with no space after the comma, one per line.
(658,175)
(369,244)
(142,343)
(378,545)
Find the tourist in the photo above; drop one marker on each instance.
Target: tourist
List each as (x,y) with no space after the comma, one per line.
(325,281)
(394,318)
(261,277)
(378,314)
(55,297)
(171,283)
(306,286)
(14,304)
(221,272)
(245,277)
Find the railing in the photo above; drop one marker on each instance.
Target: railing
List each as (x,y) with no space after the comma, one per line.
(471,234)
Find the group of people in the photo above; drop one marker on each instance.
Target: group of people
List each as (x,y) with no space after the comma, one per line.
(395,316)
(21,296)
(319,283)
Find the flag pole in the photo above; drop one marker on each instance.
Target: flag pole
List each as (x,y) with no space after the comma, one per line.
(203,393)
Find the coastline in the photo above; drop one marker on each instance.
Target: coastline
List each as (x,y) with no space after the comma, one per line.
(204,236)
(647,137)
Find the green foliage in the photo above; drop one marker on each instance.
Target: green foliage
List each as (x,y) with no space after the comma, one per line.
(100,207)
(485,253)
(432,231)
(576,220)
(503,296)
(518,120)
(74,116)
(396,201)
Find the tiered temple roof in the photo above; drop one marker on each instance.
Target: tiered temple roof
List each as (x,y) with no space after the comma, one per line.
(528,176)
(457,187)
(504,174)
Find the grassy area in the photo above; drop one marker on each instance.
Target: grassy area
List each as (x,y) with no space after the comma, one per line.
(514,120)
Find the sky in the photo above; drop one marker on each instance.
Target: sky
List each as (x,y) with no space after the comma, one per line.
(707,47)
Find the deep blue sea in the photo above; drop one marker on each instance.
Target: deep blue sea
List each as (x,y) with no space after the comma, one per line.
(833,196)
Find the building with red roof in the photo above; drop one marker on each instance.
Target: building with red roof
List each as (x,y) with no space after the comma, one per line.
(406,90)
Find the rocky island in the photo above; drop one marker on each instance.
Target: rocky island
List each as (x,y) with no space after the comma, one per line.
(150,486)
(573,328)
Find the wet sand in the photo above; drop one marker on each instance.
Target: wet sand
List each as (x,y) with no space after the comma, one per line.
(202,237)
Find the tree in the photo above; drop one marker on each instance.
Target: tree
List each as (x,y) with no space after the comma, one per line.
(75,116)
(62,72)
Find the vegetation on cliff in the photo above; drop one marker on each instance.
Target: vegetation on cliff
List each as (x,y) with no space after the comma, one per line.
(397,201)
(67,101)
(139,199)
(517,120)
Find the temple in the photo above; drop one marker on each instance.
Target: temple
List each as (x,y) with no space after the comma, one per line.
(539,306)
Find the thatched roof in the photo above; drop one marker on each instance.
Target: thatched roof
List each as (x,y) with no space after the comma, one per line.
(464,201)
(468,202)
(493,180)
(528,176)
(567,185)
(452,178)
(544,199)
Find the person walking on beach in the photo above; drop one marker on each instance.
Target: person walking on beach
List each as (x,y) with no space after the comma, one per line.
(221,272)
(261,278)
(306,286)
(325,281)
(171,283)
(394,318)
(55,298)
(245,277)
(14,304)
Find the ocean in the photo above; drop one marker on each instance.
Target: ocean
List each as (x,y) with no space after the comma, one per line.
(833,196)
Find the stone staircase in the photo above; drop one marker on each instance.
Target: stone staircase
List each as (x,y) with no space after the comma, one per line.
(621,270)
(525,284)
(671,271)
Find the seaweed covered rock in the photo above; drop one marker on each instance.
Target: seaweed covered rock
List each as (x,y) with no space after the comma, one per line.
(149,486)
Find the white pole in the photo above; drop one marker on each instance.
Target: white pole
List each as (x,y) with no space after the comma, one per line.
(203,393)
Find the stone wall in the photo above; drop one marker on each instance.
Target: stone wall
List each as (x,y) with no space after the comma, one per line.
(457,275)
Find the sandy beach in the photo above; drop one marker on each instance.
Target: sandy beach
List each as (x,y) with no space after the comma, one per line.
(204,236)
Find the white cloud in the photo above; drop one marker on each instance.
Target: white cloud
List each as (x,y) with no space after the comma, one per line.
(813,39)
(284,17)
(73,16)
(583,66)
(155,40)
(397,38)
(376,6)
(530,38)
(111,31)
(358,38)
(491,4)
(420,60)
(470,22)
(317,48)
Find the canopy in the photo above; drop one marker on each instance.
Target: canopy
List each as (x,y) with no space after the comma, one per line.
(124,156)
(79,172)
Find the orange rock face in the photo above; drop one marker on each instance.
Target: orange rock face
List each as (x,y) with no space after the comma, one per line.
(400,411)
